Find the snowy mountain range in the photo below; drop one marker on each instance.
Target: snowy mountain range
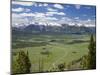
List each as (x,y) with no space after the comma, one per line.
(54,28)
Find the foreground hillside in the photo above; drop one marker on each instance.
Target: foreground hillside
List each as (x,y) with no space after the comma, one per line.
(60,49)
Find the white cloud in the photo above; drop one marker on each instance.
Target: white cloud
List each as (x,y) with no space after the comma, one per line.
(51,9)
(45,4)
(44,19)
(27,14)
(60,13)
(37,14)
(42,4)
(49,14)
(71,23)
(23,3)
(20,10)
(27,18)
(51,18)
(19,20)
(56,13)
(77,6)
(59,6)
(54,23)
(88,20)
(30,3)
(79,22)
(17,9)
(15,15)
(65,20)
(27,10)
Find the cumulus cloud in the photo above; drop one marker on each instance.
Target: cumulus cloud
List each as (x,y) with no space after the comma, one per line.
(77,21)
(14,15)
(17,9)
(23,3)
(27,14)
(29,4)
(45,4)
(88,20)
(65,20)
(22,15)
(37,14)
(20,10)
(56,13)
(51,18)
(52,15)
(59,6)
(40,4)
(60,13)
(27,18)
(43,18)
(19,20)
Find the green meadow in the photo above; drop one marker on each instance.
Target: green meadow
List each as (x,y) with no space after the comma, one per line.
(51,50)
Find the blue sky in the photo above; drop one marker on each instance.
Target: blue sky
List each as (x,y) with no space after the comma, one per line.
(43,13)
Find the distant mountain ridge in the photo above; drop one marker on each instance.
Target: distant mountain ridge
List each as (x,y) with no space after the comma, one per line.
(64,28)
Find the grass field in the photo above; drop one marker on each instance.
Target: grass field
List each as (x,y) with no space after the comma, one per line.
(61,48)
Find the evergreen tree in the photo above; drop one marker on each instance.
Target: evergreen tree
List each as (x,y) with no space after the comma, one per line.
(92,54)
(89,61)
(23,64)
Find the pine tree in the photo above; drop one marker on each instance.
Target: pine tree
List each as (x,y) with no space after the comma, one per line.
(89,61)
(23,64)
(92,54)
